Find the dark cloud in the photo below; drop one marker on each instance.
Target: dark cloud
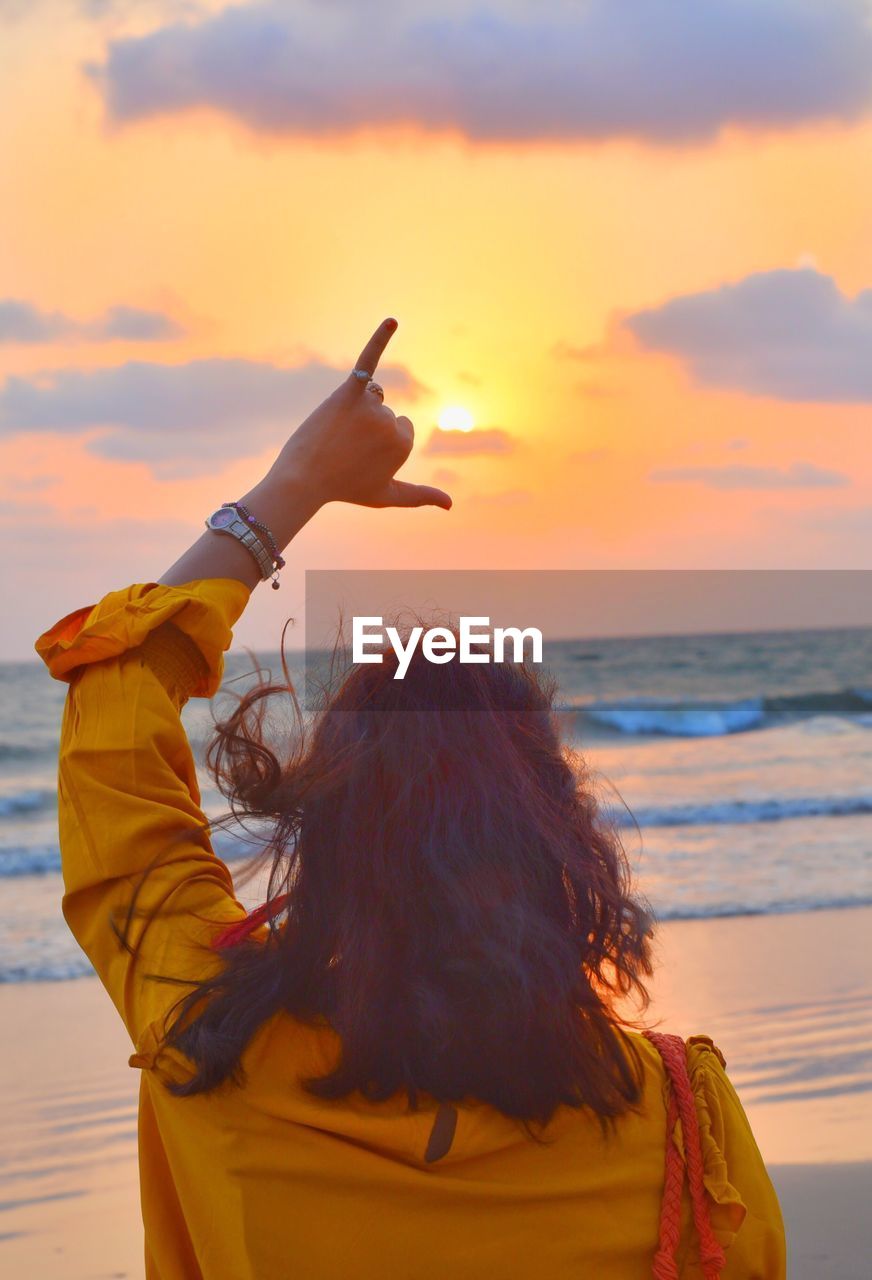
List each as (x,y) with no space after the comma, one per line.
(800,475)
(479,440)
(22,322)
(183,419)
(790,334)
(664,71)
(134,325)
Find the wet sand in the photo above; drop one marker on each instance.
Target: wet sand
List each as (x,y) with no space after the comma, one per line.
(785,997)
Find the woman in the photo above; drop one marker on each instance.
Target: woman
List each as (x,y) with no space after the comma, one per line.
(409,1062)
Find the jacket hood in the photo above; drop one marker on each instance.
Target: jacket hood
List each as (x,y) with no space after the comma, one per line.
(437,1134)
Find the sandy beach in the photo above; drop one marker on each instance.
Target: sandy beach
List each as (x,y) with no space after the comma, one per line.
(785,997)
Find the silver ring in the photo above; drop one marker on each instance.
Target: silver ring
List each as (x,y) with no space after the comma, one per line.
(361,375)
(376,389)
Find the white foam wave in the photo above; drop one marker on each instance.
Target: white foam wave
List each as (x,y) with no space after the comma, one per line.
(731,812)
(67,969)
(34,800)
(29,860)
(47,971)
(43,859)
(693,720)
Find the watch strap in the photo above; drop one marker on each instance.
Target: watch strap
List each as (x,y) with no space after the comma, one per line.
(244,533)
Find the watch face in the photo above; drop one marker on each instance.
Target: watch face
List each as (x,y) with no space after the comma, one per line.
(221,519)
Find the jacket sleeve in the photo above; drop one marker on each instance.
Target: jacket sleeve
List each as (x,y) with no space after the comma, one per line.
(744,1209)
(135,849)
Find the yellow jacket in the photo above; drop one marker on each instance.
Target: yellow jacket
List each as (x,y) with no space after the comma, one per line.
(266,1181)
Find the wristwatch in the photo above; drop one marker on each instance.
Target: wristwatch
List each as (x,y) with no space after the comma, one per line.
(226,520)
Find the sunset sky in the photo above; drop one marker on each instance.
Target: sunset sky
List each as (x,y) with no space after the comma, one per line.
(633,241)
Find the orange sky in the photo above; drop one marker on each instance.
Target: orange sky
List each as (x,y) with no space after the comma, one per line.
(494,258)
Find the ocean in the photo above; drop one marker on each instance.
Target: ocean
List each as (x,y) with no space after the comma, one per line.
(738,766)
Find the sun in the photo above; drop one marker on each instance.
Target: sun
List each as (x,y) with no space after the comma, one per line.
(455,418)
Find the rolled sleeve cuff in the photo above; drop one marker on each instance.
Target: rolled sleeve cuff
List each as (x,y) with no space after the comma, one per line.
(205,611)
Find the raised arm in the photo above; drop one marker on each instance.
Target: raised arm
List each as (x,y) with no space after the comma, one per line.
(348,450)
(134,845)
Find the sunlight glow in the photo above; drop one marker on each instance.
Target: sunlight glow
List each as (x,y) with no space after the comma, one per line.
(455,418)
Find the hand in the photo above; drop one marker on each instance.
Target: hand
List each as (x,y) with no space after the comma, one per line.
(351,446)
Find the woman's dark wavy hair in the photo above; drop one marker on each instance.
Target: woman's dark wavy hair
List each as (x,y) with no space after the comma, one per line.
(444,890)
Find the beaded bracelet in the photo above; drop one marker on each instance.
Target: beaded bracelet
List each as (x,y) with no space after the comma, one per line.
(254,523)
(258,524)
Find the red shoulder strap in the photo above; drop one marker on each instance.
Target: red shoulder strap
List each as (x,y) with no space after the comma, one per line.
(235,933)
(673,1051)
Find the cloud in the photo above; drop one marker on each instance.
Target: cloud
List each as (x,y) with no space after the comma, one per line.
(22,322)
(12,11)
(800,475)
(183,419)
(479,440)
(790,334)
(662,71)
(34,483)
(134,325)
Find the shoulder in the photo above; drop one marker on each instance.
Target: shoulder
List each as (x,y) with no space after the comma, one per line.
(717,1103)
(699,1052)
(743,1206)
(725,1135)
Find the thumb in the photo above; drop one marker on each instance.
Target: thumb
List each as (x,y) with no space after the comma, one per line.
(402,494)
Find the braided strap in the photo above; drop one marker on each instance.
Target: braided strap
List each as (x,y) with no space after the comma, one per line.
(682,1107)
(237,932)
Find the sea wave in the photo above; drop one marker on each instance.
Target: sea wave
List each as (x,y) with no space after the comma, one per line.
(694,720)
(704,718)
(45,859)
(781,907)
(47,971)
(741,812)
(16,751)
(65,967)
(32,800)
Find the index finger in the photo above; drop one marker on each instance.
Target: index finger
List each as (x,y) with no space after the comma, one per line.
(372,352)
